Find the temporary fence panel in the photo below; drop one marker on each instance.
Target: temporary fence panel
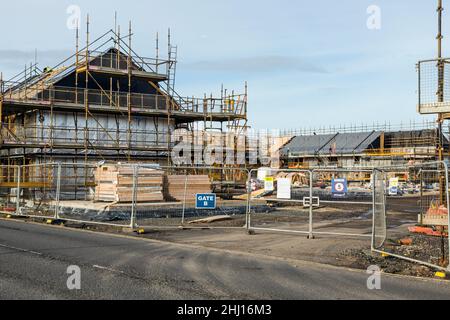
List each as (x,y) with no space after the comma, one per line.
(186,197)
(82,197)
(433,84)
(345,202)
(379,209)
(151,207)
(414,222)
(9,189)
(39,190)
(100,194)
(280,200)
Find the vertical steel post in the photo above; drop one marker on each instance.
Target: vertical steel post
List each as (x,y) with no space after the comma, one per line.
(19,174)
(184,200)
(448,210)
(249,196)
(421,198)
(134,198)
(311,178)
(374,179)
(440,97)
(419,85)
(58,191)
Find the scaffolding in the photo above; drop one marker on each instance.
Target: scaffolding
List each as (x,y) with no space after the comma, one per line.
(106,102)
(395,144)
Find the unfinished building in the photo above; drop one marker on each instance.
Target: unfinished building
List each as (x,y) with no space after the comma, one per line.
(376,148)
(105,102)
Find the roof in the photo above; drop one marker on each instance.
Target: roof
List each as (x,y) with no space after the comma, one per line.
(54,75)
(340,143)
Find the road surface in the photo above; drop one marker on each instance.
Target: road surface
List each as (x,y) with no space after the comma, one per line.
(34,260)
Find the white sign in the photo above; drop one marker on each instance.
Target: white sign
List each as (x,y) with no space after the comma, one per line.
(393,182)
(284,188)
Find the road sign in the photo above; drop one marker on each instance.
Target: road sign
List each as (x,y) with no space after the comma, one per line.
(206,201)
(339,187)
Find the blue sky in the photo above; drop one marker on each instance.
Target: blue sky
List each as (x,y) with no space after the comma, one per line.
(307,63)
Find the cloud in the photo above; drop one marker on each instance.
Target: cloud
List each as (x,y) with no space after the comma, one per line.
(258,64)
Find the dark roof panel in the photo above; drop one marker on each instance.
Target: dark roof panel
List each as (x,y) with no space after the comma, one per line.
(340,143)
(351,142)
(306,144)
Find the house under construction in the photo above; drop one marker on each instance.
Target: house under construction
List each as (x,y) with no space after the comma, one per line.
(364,147)
(105,103)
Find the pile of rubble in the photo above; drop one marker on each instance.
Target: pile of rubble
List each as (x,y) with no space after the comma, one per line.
(419,247)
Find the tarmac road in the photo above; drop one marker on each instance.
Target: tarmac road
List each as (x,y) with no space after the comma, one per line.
(34,260)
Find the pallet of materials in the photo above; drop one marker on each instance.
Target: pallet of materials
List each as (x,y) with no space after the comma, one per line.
(115,184)
(175,186)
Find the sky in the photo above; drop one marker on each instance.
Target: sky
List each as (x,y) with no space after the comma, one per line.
(307,63)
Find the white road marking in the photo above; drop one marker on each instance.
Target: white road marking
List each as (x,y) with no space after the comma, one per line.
(107,269)
(20,249)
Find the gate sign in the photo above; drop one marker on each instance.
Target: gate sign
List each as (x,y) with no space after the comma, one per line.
(339,187)
(206,201)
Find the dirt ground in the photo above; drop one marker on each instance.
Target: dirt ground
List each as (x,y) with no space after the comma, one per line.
(347,251)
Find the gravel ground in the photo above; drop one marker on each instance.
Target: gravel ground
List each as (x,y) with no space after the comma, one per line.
(423,248)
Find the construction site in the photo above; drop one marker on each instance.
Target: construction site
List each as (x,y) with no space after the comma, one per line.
(95,140)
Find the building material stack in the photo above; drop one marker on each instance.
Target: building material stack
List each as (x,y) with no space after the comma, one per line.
(176,185)
(115,184)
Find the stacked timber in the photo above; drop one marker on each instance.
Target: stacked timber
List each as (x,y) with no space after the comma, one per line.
(175,186)
(115,184)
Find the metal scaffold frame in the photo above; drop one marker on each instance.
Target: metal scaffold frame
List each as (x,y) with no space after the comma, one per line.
(90,99)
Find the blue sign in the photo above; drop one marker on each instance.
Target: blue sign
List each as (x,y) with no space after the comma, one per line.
(206,201)
(393,191)
(339,187)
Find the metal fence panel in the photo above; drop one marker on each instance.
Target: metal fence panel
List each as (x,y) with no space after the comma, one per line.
(193,198)
(280,200)
(414,223)
(39,190)
(379,209)
(345,197)
(9,191)
(433,90)
(152,209)
(88,194)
